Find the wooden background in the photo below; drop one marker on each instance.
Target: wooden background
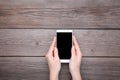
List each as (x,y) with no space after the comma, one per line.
(28,26)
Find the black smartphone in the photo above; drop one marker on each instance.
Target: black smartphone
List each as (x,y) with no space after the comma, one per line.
(64,45)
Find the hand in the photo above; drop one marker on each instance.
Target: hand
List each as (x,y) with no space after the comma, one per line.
(75,60)
(53,61)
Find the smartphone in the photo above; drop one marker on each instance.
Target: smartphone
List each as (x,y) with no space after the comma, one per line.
(64,45)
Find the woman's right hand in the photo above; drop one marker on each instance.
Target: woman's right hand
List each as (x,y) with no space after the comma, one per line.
(75,60)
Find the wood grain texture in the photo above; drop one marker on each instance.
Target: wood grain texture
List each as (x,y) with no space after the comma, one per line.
(7,4)
(36,42)
(28,26)
(29,68)
(60,14)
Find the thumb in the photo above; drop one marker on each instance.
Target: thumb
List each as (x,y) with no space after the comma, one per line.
(56,53)
(72,52)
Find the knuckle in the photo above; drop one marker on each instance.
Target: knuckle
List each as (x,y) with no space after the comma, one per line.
(46,55)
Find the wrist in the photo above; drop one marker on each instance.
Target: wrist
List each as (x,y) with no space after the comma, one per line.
(76,75)
(75,71)
(54,76)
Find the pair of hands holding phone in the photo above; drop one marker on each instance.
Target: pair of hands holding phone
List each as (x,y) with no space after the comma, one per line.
(54,61)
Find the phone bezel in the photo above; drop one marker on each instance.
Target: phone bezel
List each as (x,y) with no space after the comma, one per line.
(64,31)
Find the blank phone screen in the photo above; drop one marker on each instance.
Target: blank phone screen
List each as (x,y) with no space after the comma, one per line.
(64,44)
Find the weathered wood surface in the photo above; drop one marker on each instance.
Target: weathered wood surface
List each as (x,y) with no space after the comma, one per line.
(29,68)
(57,3)
(60,14)
(28,26)
(35,42)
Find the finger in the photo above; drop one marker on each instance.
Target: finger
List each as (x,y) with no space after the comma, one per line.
(75,43)
(48,56)
(77,48)
(73,52)
(56,53)
(52,45)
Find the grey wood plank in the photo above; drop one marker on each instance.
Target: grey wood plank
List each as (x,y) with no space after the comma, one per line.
(35,42)
(7,4)
(60,14)
(35,68)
